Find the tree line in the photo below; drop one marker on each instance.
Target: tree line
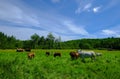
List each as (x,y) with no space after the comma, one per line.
(51,42)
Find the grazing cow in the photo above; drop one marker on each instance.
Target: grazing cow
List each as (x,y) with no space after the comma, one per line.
(47,53)
(28,50)
(98,54)
(87,54)
(74,55)
(31,55)
(19,50)
(57,54)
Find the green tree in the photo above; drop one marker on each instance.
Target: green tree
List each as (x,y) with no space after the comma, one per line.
(27,44)
(57,43)
(50,41)
(11,41)
(19,44)
(34,40)
(41,42)
(3,40)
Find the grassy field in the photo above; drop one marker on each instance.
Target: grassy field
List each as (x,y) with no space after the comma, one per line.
(16,65)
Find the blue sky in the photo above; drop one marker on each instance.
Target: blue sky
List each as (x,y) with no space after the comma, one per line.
(70,19)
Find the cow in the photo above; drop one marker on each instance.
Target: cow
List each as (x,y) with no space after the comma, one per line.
(19,50)
(74,55)
(87,54)
(47,53)
(57,54)
(31,55)
(28,50)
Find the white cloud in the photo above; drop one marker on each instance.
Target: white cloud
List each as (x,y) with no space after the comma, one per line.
(21,33)
(96,9)
(75,29)
(25,33)
(108,32)
(34,21)
(112,31)
(82,8)
(86,7)
(11,12)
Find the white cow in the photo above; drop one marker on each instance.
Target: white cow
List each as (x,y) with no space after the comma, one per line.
(87,54)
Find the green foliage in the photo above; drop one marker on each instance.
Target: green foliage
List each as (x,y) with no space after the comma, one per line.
(107,43)
(51,42)
(14,65)
(34,40)
(7,41)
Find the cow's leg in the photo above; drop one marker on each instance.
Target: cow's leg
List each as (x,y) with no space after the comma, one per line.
(83,58)
(93,58)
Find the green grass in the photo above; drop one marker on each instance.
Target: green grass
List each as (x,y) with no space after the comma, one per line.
(16,65)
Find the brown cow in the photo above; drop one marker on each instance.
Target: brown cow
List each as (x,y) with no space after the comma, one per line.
(28,50)
(74,55)
(47,53)
(57,54)
(31,55)
(19,50)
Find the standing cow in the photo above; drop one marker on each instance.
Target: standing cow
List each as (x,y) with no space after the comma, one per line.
(74,55)
(28,50)
(19,50)
(47,53)
(31,55)
(57,54)
(87,54)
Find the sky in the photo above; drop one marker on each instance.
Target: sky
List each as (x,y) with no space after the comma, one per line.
(68,19)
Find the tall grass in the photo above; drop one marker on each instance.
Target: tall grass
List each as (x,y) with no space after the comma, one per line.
(14,65)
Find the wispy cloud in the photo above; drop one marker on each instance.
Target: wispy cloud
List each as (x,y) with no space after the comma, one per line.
(28,21)
(96,9)
(83,8)
(75,29)
(113,31)
(86,7)
(92,6)
(22,19)
(83,5)
(21,32)
(16,14)
(108,32)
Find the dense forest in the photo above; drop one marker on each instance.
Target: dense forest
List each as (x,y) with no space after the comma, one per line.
(50,42)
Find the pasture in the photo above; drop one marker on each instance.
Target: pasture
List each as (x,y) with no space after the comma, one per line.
(16,65)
